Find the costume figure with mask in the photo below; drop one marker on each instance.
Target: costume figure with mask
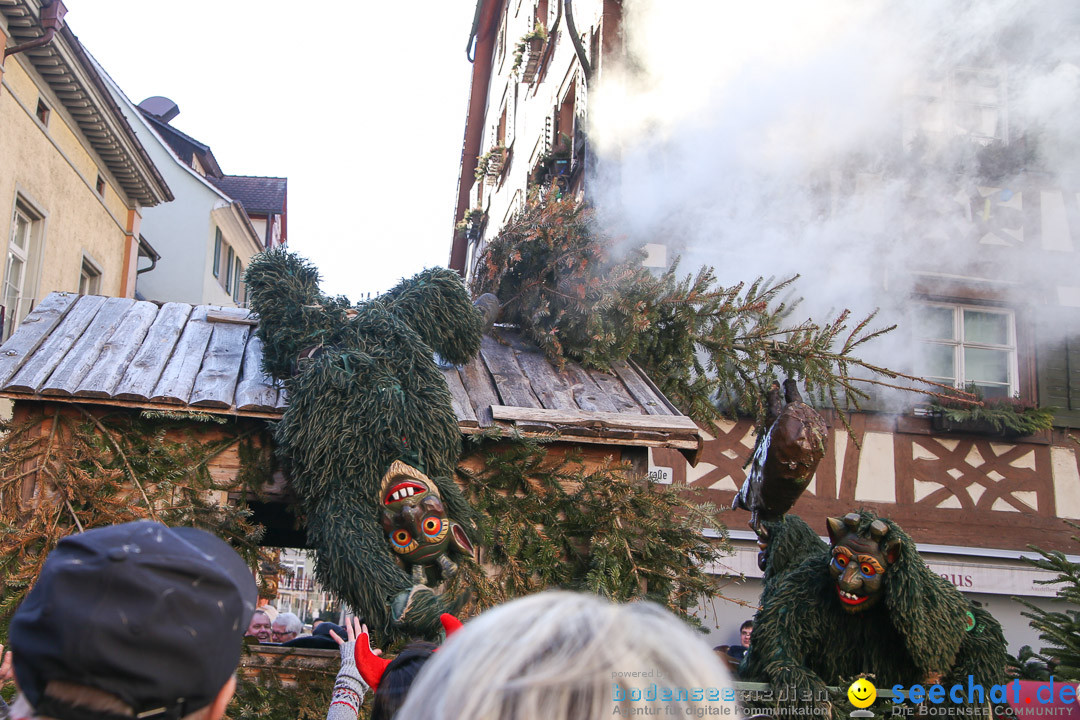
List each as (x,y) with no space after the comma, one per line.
(865,603)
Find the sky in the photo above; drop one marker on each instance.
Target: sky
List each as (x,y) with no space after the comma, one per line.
(360,105)
(719,126)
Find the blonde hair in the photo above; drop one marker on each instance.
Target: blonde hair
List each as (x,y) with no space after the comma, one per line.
(567,656)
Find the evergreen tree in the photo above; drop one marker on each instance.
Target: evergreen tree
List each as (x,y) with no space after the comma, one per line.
(94,469)
(1059,629)
(549,519)
(710,348)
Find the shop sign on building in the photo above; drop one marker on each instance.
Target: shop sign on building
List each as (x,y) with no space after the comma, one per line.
(990,576)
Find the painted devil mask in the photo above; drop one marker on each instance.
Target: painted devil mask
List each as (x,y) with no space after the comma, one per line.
(859,560)
(415,522)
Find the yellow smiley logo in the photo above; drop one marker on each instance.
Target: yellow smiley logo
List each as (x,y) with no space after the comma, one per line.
(862,693)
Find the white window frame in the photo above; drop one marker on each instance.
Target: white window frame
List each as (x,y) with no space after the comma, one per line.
(27,284)
(948,94)
(225,279)
(958,343)
(90,274)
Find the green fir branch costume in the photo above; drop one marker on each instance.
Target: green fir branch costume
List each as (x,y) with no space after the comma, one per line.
(922,629)
(791,542)
(364,390)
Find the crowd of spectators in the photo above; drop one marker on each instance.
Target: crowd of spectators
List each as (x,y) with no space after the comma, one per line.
(141,620)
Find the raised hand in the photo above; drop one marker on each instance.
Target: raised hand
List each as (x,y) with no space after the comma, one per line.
(6,673)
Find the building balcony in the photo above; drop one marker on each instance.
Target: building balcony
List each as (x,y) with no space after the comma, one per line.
(298,584)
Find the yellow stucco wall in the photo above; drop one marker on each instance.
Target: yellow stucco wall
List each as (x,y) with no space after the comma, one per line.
(52,169)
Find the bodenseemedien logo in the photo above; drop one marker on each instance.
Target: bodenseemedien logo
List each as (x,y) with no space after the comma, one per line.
(663,693)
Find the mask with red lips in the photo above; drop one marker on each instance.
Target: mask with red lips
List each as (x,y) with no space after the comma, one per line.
(859,560)
(415,522)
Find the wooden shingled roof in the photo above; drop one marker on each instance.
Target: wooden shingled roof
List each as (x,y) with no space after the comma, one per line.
(125,352)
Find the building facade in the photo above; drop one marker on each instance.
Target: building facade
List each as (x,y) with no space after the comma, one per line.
(299,592)
(985,293)
(207,235)
(75,180)
(527,110)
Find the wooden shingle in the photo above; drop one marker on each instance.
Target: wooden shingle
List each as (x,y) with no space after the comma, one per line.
(118,351)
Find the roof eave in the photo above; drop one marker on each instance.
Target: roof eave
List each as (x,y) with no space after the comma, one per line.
(65,66)
(686,445)
(236,220)
(150,175)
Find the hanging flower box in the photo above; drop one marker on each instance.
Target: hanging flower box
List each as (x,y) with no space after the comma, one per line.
(471,223)
(496,163)
(531,63)
(943,423)
(489,166)
(527,54)
(1005,417)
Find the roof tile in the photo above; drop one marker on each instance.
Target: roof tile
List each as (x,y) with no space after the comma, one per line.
(257,194)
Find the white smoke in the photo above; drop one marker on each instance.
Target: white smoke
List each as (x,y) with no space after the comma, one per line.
(834,140)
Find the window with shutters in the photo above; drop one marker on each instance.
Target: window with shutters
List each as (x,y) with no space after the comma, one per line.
(228,268)
(510,115)
(1059,365)
(540,14)
(218,243)
(230,256)
(500,128)
(959,101)
(500,43)
(238,283)
(564,116)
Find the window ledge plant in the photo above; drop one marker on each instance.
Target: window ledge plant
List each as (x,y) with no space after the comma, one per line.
(490,164)
(555,162)
(531,43)
(470,224)
(1008,416)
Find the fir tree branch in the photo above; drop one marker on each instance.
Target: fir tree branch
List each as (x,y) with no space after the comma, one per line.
(131,473)
(708,347)
(45,464)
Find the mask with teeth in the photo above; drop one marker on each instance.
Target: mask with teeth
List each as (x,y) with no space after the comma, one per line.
(860,558)
(415,522)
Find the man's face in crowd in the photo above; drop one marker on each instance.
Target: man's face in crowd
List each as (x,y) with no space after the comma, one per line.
(280,634)
(259,627)
(744,636)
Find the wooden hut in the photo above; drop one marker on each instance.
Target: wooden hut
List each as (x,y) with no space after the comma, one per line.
(93,353)
(91,356)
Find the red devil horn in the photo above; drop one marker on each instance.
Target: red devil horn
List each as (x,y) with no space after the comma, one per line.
(370,665)
(450,624)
